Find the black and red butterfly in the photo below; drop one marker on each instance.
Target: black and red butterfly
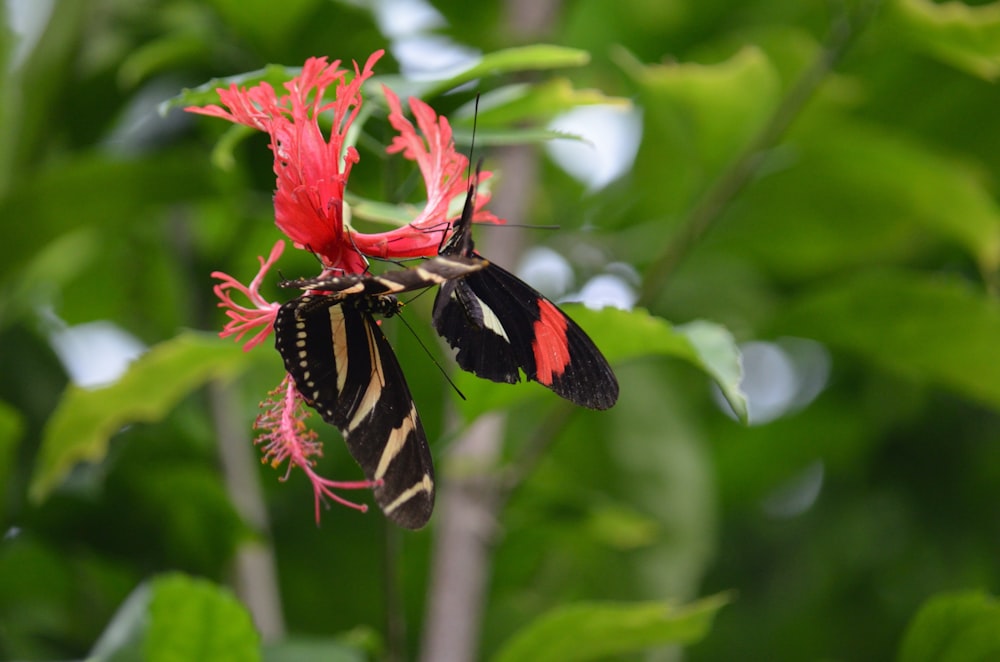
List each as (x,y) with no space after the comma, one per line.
(343,366)
(500,326)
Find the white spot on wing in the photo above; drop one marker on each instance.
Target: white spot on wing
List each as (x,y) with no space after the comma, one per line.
(339,345)
(375,383)
(396,441)
(424,485)
(491,321)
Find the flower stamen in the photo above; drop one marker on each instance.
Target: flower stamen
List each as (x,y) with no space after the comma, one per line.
(244,319)
(285,437)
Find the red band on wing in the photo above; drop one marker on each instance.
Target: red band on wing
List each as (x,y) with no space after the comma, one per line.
(550,346)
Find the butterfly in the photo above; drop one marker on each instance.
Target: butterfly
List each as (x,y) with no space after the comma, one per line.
(345,368)
(501,326)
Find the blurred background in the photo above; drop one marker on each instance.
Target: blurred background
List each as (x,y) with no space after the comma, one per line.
(813,183)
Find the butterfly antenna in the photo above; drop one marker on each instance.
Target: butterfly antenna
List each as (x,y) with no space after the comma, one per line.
(431,356)
(472,142)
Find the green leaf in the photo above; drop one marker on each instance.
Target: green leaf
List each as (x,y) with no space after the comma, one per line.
(537,57)
(223,153)
(714,350)
(954,627)
(862,193)
(176,617)
(200,531)
(265,21)
(35,78)
(500,137)
(622,527)
(72,194)
(708,346)
(205,94)
(698,118)
(967,37)
(380,212)
(37,586)
(623,335)
(59,263)
(935,330)
(590,631)
(520,104)
(193,619)
(165,54)
(86,419)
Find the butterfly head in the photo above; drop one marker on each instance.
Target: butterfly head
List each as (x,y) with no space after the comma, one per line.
(460,240)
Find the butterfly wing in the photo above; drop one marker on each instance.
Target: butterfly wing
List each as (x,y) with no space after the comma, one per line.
(499,324)
(343,366)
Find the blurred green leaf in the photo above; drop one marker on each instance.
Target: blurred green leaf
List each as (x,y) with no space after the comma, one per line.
(36,586)
(176,617)
(53,267)
(536,57)
(965,36)
(200,530)
(9,110)
(858,193)
(73,193)
(590,631)
(86,419)
(264,21)
(620,527)
(526,58)
(520,104)
(205,94)
(936,330)
(714,350)
(33,87)
(621,336)
(172,51)
(698,118)
(223,153)
(192,619)
(628,335)
(954,627)
(513,136)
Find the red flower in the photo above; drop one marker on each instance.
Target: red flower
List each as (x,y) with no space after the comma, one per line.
(444,172)
(241,318)
(312,172)
(311,177)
